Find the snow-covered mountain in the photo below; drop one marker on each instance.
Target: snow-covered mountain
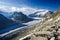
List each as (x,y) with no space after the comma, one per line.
(20,17)
(40,13)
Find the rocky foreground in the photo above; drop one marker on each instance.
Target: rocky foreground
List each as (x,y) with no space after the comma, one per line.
(48,29)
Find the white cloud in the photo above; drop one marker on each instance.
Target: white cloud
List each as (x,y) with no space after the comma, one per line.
(25,10)
(13,9)
(4,8)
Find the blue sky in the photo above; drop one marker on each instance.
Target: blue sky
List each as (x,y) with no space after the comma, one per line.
(43,4)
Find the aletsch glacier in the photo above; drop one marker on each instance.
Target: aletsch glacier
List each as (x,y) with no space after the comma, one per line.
(16,27)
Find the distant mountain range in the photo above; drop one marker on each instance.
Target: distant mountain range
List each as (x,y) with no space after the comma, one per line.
(20,17)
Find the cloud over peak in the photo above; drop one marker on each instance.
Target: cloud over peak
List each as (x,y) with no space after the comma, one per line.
(25,10)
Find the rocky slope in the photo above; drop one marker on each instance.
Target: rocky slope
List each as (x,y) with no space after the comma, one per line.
(48,29)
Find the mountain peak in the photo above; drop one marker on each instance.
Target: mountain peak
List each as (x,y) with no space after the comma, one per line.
(20,17)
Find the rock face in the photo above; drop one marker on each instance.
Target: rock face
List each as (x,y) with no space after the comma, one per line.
(5,22)
(48,29)
(20,17)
